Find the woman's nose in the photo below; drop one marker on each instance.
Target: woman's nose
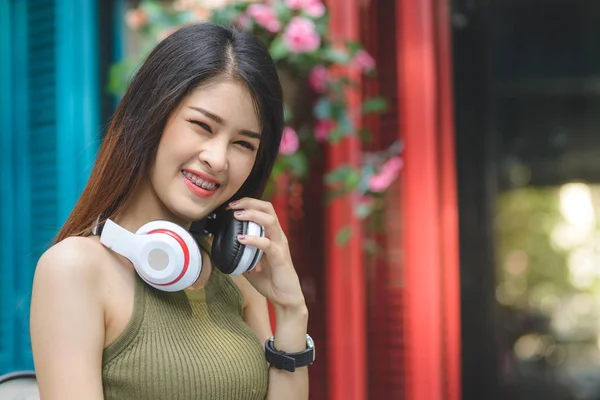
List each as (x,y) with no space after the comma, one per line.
(215,157)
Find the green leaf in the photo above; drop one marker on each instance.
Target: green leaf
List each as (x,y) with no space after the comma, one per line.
(323,108)
(284,13)
(287,114)
(154,10)
(343,235)
(270,188)
(348,176)
(339,174)
(365,135)
(339,108)
(337,56)
(278,49)
(322,25)
(353,46)
(298,163)
(352,180)
(374,105)
(346,81)
(346,125)
(279,167)
(119,76)
(363,210)
(306,61)
(333,194)
(225,15)
(335,136)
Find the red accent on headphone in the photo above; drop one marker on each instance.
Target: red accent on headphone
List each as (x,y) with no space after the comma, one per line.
(186,254)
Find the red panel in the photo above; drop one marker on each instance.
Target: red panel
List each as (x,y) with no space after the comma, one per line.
(306,239)
(345,275)
(302,220)
(448,207)
(417,88)
(385,313)
(313,280)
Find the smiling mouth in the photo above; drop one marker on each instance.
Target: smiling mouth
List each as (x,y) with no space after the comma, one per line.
(201,183)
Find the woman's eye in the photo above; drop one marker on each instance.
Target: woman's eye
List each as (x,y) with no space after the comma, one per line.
(201,124)
(247,145)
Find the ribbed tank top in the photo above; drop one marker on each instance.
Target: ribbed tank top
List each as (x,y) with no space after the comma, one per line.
(191,344)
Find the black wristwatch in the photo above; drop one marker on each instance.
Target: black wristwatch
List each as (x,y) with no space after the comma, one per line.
(290,361)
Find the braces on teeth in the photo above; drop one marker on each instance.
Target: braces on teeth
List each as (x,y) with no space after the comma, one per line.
(199,182)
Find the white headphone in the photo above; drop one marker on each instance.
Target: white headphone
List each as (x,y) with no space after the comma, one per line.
(168,258)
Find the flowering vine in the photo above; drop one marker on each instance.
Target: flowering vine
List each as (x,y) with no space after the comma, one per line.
(297,35)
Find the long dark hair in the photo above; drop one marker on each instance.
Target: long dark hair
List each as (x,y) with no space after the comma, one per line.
(191,57)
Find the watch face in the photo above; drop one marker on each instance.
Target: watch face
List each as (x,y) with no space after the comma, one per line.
(309,342)
(311,345)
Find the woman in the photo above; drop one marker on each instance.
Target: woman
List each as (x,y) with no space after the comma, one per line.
(198,130)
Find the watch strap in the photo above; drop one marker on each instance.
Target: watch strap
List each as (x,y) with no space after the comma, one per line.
(289,361)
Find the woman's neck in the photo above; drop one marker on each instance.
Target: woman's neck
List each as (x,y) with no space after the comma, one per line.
(144,206)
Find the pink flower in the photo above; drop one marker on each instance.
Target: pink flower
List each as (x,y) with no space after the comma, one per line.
(300,35)
(243,21)
(318,78)
(314,8)
(388,173)
(363,61)
(295,4)
(323,128)
(136,18)
(265,16)
(289,141)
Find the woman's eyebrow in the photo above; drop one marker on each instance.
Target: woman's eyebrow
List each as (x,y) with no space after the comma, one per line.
(250,134)
(219,120)
(207,113)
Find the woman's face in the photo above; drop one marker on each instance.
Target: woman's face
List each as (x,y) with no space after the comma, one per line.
(206,151)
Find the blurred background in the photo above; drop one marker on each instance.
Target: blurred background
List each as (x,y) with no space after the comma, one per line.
(443,212)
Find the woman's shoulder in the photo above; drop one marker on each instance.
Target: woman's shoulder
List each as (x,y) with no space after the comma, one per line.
(73,261)
(76,252)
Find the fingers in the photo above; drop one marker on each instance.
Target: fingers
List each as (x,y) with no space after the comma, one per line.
(276,254)
(249,202)
(262,213)
(261,243)
(274,244)
(268,221)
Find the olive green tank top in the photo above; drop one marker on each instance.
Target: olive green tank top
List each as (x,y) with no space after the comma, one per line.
(191,344)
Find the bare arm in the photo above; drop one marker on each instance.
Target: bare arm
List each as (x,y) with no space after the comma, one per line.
(256,312)
(67,322)
(290,336)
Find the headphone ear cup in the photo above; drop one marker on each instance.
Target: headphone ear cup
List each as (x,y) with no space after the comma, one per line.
(228,254)
(172,259)
(226,250)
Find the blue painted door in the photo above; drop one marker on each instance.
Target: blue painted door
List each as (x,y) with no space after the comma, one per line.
(49,131)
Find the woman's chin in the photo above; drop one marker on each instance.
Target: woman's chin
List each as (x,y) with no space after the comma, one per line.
(195,212)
